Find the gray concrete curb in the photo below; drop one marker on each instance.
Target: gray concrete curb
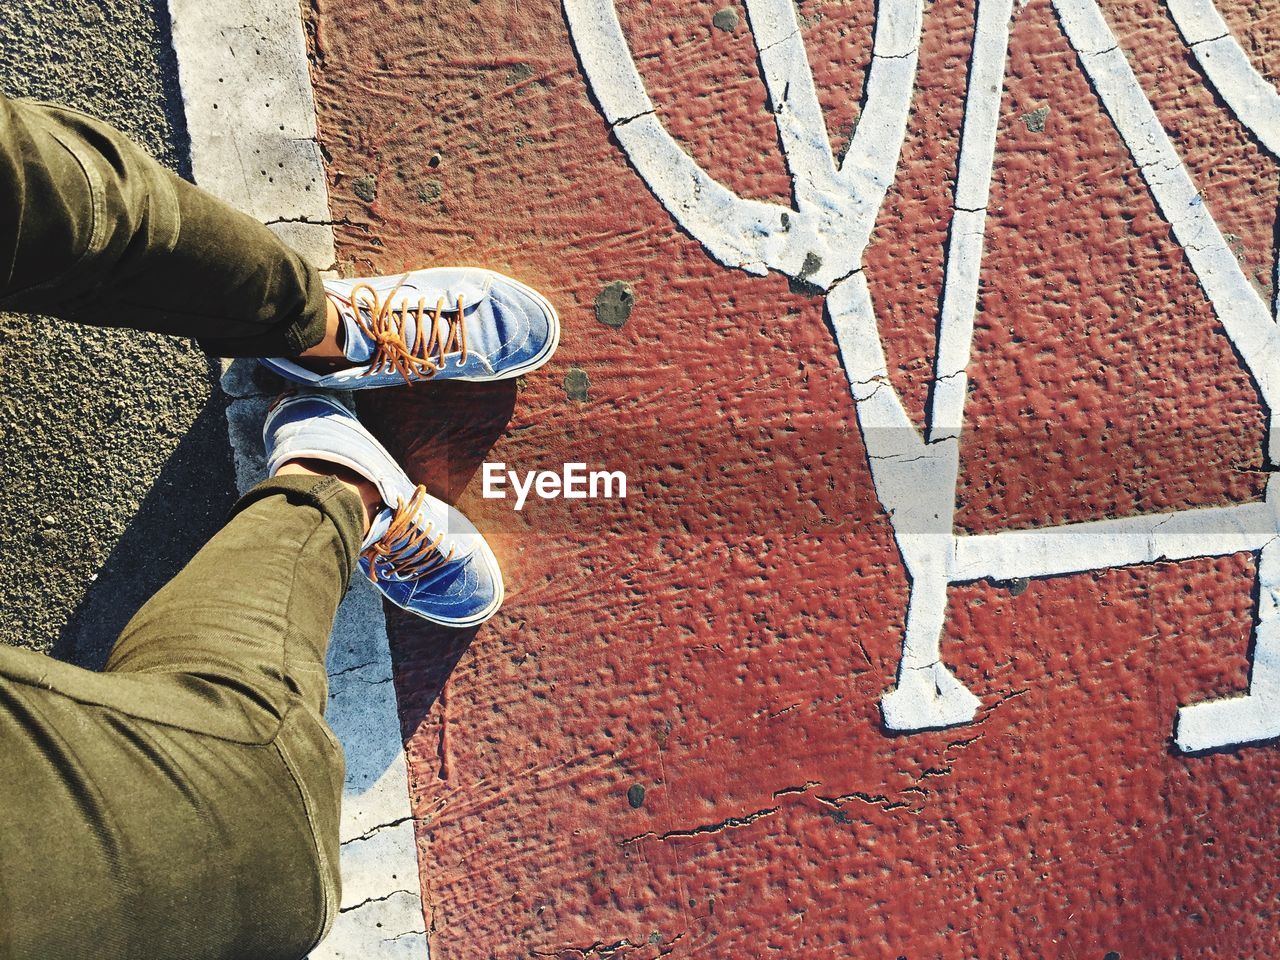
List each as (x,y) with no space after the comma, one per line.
(246,90)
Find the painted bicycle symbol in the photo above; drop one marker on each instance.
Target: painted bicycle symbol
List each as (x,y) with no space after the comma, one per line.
(821,240)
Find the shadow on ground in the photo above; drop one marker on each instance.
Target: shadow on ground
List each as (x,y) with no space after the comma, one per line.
(186,505)
(441,433)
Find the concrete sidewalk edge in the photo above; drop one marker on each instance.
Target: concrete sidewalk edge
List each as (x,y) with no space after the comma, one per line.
(246,90)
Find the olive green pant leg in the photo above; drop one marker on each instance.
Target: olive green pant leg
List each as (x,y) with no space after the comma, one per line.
(183,805)
(93,229)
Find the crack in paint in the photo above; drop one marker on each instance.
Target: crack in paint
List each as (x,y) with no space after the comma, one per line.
(729,823)
(407,933)
(345,670)
(622,121)
(770,46)
(600,948)
(863,648)
(895,56)
(372,683)
(382,899)
(871,799)
(789,791)
(309,221)
(897,458)
(372,831)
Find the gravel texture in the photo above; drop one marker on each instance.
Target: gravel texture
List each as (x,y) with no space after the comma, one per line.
(115,465)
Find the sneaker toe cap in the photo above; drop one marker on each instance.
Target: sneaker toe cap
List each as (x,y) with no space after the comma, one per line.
(460,595)
(524,327)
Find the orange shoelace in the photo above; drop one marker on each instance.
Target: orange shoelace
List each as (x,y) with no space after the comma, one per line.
(416,554)
(386,328)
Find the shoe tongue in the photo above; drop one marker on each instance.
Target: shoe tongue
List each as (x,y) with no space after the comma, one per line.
(379,527)
(357,346)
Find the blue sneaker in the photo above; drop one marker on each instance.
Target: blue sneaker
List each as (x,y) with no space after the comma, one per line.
(423,555)
(444,323)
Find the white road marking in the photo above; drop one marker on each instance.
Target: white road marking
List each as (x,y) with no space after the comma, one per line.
(822,240)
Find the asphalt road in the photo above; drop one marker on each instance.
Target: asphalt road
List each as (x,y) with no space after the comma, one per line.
(114,463)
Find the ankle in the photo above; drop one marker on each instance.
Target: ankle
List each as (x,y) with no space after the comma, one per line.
(328,354)
(361,486)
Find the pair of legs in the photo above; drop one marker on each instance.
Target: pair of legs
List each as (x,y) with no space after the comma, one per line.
(184,802)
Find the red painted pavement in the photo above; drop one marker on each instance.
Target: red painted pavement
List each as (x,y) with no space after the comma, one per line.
(721,638)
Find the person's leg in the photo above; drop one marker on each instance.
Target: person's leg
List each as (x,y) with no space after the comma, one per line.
(184,804)
(94,229)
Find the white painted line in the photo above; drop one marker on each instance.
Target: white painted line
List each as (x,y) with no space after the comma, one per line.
(794,99)
(822,241)
(246,88)
(1246,319)
(1253,101)
(1105,544)
(968,221)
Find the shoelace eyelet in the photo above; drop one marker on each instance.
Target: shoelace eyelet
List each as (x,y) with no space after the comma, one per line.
(385,327)
(406,548)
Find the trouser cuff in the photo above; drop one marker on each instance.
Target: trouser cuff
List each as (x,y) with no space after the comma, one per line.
(309,329)
(328,495)
(286,339)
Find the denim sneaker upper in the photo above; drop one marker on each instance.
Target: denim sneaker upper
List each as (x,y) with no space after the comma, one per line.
(454,323)
(421,553)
